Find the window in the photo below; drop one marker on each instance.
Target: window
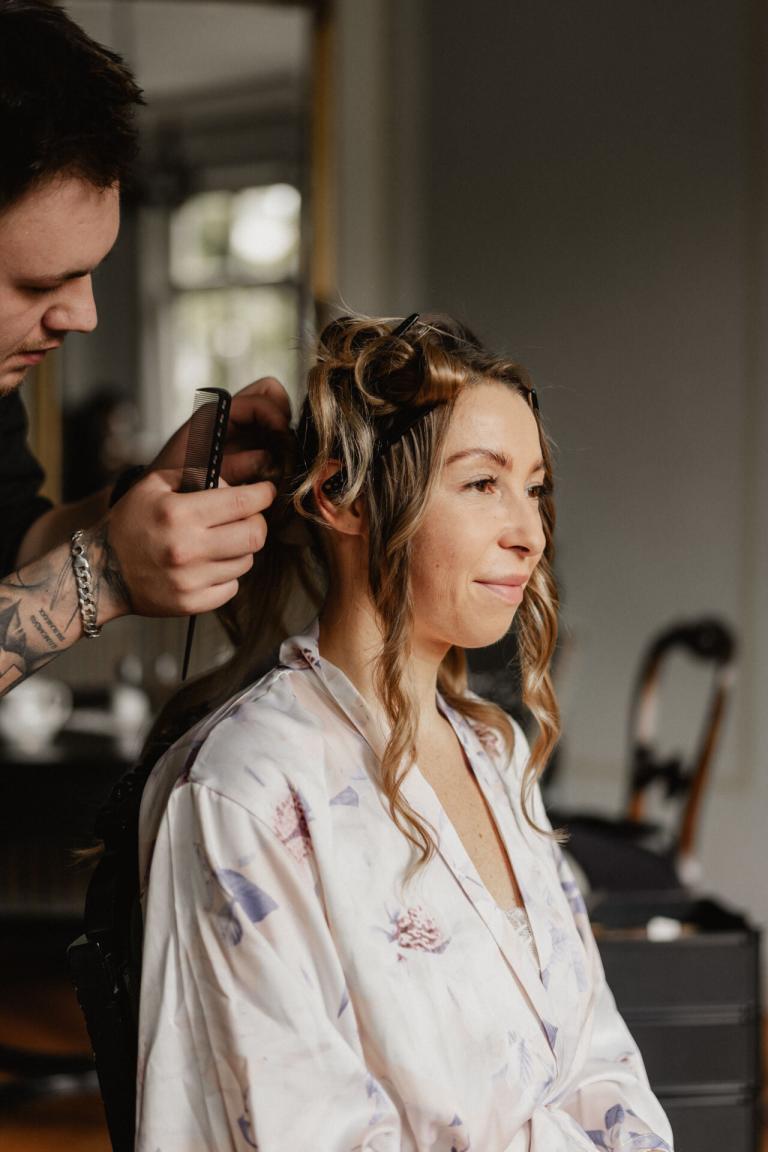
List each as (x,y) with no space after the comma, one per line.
(235,299)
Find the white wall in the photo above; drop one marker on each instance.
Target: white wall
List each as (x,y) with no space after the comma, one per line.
(586,185)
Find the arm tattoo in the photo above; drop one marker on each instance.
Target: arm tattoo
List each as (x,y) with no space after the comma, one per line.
(108,570)
(12,645)
(39,616)
(20,656)
(59,636)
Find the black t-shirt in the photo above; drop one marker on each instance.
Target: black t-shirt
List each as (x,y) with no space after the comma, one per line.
(20,480)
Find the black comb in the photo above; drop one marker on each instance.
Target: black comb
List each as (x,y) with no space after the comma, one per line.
(202,463)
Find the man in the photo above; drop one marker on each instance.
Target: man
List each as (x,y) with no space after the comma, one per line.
(67,142)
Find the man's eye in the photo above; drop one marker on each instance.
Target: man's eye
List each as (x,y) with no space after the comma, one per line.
(37,289)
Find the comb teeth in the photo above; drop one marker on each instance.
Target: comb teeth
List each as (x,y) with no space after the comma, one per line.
(205,443)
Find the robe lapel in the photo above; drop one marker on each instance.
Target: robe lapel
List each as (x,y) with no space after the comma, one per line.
(425,803)
(422,798)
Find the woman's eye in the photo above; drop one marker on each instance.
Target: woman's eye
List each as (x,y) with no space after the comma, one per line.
(538,491)
(484,485)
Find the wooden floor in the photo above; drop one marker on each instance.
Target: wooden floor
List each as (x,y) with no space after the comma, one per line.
(38,1010)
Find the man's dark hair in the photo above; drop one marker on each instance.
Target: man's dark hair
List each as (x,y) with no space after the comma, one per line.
(67,104)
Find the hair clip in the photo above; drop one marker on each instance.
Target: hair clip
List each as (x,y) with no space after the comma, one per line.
(406,324)
(533,399)
(334,485)
(401,423)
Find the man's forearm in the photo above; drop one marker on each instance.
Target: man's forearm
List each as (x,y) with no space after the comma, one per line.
(39,612)
(57,525)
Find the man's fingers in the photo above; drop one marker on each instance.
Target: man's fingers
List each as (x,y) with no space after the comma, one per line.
(198,587)
(178,511)
(212,598)
(244,467)
(253,414)
(225,505)
(235,541)
(192,581)
(272,389)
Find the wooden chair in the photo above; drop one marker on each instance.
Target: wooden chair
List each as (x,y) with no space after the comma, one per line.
(629,852)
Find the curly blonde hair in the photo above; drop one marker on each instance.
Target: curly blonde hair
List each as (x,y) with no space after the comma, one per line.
(378,406)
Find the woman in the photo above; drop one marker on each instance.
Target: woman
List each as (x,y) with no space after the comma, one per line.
(360,932)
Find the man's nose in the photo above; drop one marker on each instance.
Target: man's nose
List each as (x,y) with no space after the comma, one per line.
(74,309)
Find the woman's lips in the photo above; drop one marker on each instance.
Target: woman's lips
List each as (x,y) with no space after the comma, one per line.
(510,593)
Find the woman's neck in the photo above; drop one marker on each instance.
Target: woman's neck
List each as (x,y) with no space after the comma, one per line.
(350,638)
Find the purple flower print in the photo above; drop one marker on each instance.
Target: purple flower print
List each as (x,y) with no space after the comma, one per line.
(291,825)
(574,897)
(255,902)
(244,1124)
(459,1140)
(551,1033)
(311,658)
(377,1097)
(347,797)
(413,929)
(616,1136)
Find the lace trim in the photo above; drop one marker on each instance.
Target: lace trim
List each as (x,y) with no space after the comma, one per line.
(518,918)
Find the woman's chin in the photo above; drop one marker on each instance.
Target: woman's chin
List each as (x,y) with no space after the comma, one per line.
(487,633)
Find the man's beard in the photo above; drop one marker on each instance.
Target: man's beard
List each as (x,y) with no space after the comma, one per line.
(7,389)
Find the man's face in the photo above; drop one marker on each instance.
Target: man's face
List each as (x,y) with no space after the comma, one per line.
(51,240)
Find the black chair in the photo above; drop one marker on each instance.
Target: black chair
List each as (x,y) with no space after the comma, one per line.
(629,853)
(105,961)
(47,806)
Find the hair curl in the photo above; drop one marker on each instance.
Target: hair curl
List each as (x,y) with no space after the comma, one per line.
(364,383)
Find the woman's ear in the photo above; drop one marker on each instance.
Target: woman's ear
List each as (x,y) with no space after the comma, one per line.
(348,519)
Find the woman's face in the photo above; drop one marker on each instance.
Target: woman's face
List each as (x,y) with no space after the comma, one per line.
(482,535)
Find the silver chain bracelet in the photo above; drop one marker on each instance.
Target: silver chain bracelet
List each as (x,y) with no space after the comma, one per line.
(84,583)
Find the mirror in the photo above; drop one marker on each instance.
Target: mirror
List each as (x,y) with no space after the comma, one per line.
(208,283)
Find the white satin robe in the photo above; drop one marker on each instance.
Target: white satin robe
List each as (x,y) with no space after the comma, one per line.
(296,998)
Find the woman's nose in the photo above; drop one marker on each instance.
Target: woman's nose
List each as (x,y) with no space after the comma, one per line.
(524,530)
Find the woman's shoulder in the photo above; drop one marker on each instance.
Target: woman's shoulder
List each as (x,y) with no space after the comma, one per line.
(257,742)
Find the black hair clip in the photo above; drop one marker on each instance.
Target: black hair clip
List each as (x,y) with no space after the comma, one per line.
(406,324)
(334,485)
(400,424)
(534,400)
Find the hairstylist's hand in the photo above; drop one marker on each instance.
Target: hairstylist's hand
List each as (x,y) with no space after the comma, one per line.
(258,412)
(178,554)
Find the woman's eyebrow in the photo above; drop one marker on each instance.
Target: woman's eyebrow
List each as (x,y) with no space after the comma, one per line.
(499,458)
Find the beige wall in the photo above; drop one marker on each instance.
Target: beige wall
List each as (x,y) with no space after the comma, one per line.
(586,185)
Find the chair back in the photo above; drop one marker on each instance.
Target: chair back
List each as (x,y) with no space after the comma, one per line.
(708,640)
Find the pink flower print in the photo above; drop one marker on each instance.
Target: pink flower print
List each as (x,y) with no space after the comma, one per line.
(414,929)
(489,738)
(291,825)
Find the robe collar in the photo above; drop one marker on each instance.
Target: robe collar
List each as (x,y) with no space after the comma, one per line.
(497,780)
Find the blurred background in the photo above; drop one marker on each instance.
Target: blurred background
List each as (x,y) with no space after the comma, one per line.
(585,185)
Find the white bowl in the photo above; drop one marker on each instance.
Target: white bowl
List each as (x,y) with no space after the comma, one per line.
(33,712)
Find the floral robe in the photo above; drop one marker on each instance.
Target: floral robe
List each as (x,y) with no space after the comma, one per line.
(298,997)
